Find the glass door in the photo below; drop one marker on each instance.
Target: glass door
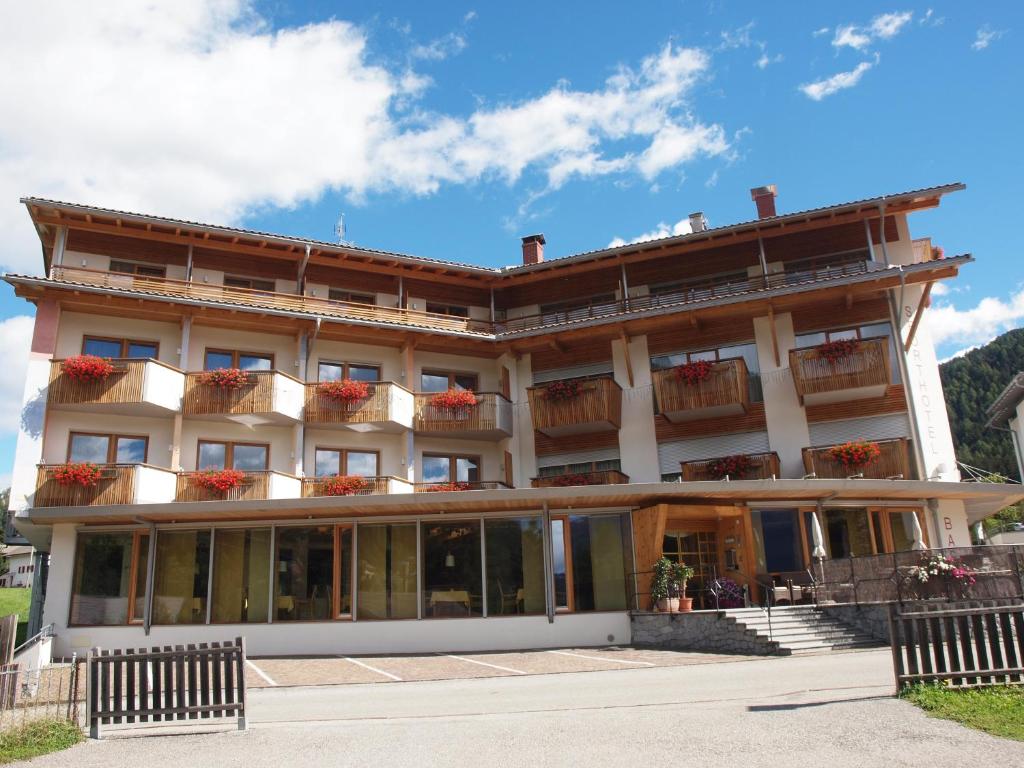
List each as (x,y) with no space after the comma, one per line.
(699,550)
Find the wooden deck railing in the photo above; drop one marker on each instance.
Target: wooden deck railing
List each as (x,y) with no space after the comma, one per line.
(116,486)
(727,385)
(324,410)
(256,397)
(256,485)
(599,477)
(763,466)
(469,485)
(313,486)
(124,385)
(600,402)
(894,462)
(868,366)
(485,416)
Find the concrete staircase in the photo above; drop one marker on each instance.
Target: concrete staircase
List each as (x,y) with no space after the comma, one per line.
(801,629)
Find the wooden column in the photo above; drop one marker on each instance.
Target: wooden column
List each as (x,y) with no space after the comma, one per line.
(648,532)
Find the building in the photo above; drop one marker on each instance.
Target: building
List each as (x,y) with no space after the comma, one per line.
(1007,414)
(20,567)
(680,397)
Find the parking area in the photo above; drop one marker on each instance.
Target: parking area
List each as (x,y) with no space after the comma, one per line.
(270,672)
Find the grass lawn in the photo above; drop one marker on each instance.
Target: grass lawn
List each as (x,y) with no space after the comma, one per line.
(15,600)
(37,738)
(998,710)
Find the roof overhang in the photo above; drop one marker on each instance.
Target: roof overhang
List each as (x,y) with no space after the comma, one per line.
(1002,409)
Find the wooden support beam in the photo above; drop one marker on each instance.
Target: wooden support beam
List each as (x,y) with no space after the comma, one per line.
(625,353)
(925,299)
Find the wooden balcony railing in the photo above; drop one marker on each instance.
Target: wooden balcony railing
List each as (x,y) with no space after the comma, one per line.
(725,391)
(763,466)
(256,485)
(313,486)
(256,397)
(116,486)
(124,385)
(469,485)
(269,299)
(598,407)
(492,413)
(867,367)
(893,463)
(324,410)
(599,477)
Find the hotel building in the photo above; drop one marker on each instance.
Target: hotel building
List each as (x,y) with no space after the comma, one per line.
(333,449)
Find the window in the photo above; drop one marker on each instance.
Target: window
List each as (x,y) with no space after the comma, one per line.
(442,381)
(181,577)
(247,361)
(580,468)
(452,577)
(248,457)
(515,566)
(120,348)
(386,571)
(589,563)
(894,529)
(777,542)
(350,297)
(451,469)
(847,532)
(241,576)
(107,449)
(699,550)
(103,587)
(305,574)
(447,309)
(341,461)
(327,371)
(134,268)
(250,283)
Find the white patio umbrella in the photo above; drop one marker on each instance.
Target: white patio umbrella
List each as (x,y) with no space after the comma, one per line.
(817,538)
(918,534)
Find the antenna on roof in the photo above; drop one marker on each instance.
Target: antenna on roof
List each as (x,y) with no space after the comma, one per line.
(339,230)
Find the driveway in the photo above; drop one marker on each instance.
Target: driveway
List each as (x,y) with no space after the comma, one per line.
(833,711)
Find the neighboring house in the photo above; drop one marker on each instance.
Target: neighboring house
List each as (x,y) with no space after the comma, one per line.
(283,443)
(1007,414)
(20,567)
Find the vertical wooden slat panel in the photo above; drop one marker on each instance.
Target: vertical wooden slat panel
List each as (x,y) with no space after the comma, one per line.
(204,681)
(122,386)
(952,652)
(168,683)
(144,674)
(218,693)
(981,653)
(117,666)
(938,646)
(157,680)
(105,701)
(193,681)
(181,690)
(994,645)
(967,647)
(130,704)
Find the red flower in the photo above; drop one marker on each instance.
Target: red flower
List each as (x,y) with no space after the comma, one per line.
(454,398)
(85,475)
(345,391)
(219,480)
(87,368)
(225,378)
(562,391)
(564,481)
(693,373)
(448,487)
(840,349)
(855,454)
(343,485)
(732,466)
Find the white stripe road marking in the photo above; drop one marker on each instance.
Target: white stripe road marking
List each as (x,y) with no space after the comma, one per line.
(486,664)
(601,658)
(372,669)
(261,673)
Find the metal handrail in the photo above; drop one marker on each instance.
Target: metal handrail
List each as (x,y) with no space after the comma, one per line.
(768,590)
(42,634)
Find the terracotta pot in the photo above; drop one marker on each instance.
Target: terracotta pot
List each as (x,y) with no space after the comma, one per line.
(685,604)
(661,605)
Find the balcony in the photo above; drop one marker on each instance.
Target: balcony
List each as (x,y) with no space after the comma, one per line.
(725,392)
(263,484)
(269,397)
(135,388)
(862,374)
(389,408)
(374,486)
(118,484)
(489,419)
(763,466)
(597,408)
(572,479)
(894,462)
(461,485)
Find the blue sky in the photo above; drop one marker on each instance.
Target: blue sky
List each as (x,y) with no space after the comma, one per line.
(451,130)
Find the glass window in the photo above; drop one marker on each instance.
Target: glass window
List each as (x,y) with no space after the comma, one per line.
(364,373)
(212,456)
(130,450)
(465,381)
(215,360)
(241,576)
(249,362)
(130,268)
(436,381)
(386,570)
(436,469)
(345,537)
(330,372)
(777,540)
(102,347)
(328,462)
(515,566)
(350,297)
(250,458)
(447,309)
(451,569)
(99,593)
(181,580)
(141,349)
(845,531)
(598,563)
(901,524)
(433,382)
(362,463)
(338,371)
(467,470)
(305,574)
(248,282)
(560,550)
(89,448)
(334,461)
(141,574)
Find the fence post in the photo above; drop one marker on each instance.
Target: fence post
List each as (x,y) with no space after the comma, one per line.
(1020,570)
(240,660)
(92,693)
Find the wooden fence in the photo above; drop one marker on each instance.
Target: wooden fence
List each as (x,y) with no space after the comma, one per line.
(193,682)
(960,646)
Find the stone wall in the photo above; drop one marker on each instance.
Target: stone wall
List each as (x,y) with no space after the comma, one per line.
(870,619)
(700,631)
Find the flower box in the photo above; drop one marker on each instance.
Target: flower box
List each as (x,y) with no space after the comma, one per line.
(87,368)
(693,373)
(440,487)
(454,399)
(562,391)
(566,481)
(855,454)
(343,485)
(345,391)
(730,466)
(219,480)
(83,474)
(838,350)
(225,378)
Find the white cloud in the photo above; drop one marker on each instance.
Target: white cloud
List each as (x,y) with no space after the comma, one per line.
(885,26)
(985,36)
(977,325)
(819,89)
(15,340)
(852,36)
(888,25)
(765,60)
(441,48)
(820,32)
(681,227)
(197,109)
(929,18)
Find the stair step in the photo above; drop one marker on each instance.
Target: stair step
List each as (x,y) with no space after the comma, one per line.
(801,629)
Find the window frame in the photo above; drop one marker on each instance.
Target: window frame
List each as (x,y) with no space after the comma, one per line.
(347,366)
(229,452)
(136,265)
(135,551)
(453,465)
(343,458)
(251,283)
(336,612)
(347,296)
(451,375)
(125,343)
(236,354)
(444,308)
(570,587)
(112,438)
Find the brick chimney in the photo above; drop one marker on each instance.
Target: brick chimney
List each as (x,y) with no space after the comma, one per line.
(533,249)
(764,199)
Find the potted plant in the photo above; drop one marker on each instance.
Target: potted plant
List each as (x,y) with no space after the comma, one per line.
(693,373)
(346,391)
(662,586)
(680,574)
(219,480)
(224,379)
(735,466)
(837,351)
(454,403)
(343,485)
(81,473)
(453,486)
(855,454)
(563,390)
(87,368)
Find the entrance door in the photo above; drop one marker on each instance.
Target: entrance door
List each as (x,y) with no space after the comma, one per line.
(777,535)
(699,550)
